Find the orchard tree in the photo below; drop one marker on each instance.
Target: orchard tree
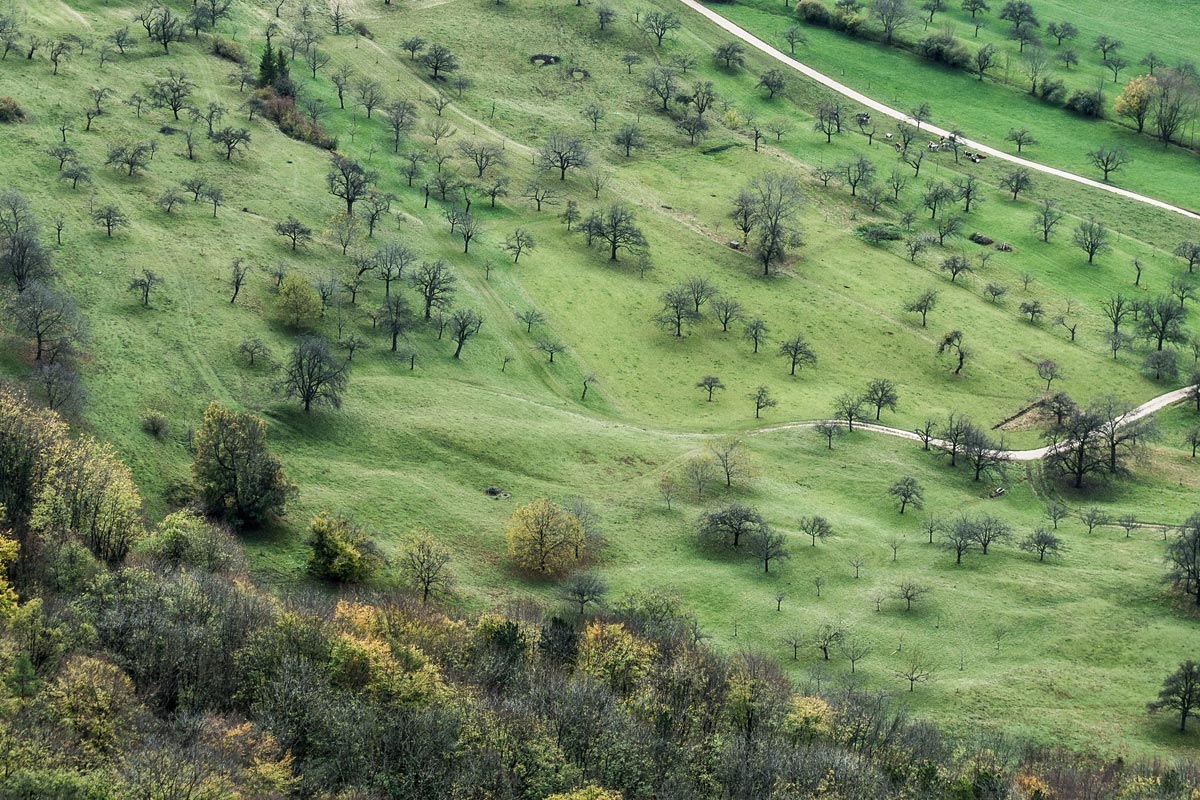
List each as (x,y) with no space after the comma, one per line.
(910,592)
(815,527)
(952,343)
(766,545)
(1092,238)
(728,525)
(1017,181)
(830,430)
(110,218)
(922,304)
(1161,321)
(1042,542)
(881,393)
(46,316)
(798,352)
(1180,693)
(520,242)
(959,537)
(313,376)
(908,493)
(660,23)
(678,309)
(143,283)
(425,565)
(710,384)
(1183,557)
(436,286)
(755,331)
(762,399)
(562,152)
(1108,159)
(726,310)
(1189,251)
(395,317)
(777,201)
(773,81)
(464,323)
(349,181)
(629,138)
(439,59)
(892,15)
(614,226)
(850,408)
(1048,216)
(1021,137)
(171,92)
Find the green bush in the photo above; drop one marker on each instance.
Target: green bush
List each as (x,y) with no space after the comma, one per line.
(943,48)
(814,13)
(341,550)
(879,232)
(1086,103)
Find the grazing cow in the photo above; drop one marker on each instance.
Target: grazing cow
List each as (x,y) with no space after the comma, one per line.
(888,136)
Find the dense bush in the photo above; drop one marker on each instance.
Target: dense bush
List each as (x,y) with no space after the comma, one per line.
(1086,103)
(230,51)
(341,551)
(10,111)
(814,13)
(943,48)
(281,110)
(239,480)
(878,232)
(1052,90)
(156,424)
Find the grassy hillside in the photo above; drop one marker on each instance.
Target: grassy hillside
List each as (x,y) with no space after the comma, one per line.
(987,110)
(1067,651)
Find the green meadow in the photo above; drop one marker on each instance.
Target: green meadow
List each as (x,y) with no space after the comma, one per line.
(1068,651)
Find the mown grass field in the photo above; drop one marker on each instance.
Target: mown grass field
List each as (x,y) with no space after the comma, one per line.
(987,110)
(1068,651)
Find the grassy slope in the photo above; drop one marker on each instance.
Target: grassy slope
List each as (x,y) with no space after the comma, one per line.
(987,111)
(416,448)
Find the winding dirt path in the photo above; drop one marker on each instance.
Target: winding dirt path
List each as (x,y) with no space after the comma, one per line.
(874,105)
(1144,410)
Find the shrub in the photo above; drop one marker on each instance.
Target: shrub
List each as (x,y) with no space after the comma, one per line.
(878,232)
(1052,90)
(848,22)
(230,51)
(341,550)
(1087,104)
(943,48)
(10,111)
(814,13)
(979,238)
(291,123)
(361,29)
(185,539)
(156,424)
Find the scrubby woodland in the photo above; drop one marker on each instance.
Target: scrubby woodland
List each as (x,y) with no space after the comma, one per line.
(527,399)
